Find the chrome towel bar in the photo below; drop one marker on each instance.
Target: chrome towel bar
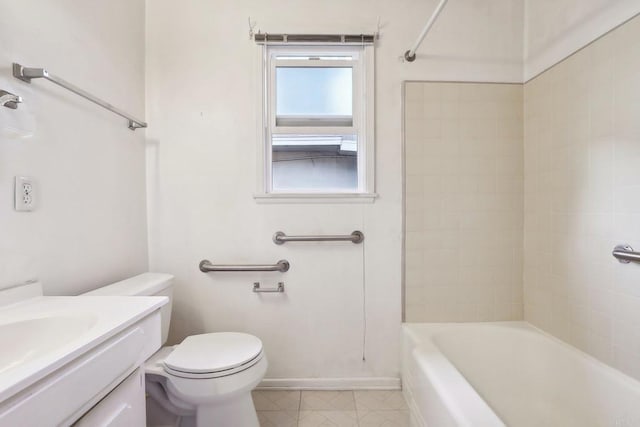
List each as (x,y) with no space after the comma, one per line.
(281,266)
(625,254)
(26,74)
(279,238)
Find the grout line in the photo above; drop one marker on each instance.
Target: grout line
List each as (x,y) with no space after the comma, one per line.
(358,413)
(299,407)
(355,405)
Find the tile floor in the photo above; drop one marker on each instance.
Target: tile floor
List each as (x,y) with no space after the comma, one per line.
(360,408)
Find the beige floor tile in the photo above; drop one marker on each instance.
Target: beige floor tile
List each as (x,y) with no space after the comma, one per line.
(278,418)
(276,400)
(384,419)
(327,401)
(328,419)
(380,400)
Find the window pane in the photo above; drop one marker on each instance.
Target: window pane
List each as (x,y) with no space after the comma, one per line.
(315,162)
(308,91)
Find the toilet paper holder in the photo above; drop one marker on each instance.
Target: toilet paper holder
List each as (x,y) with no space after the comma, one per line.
(258,289)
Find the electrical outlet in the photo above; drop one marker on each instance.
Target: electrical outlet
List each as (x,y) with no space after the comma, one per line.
(25,194)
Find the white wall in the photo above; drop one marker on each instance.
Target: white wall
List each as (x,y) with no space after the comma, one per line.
(556,28)
(201,91)
(89,228)
(582,197)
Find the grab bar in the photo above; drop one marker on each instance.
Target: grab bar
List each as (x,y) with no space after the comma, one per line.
(625,254)
(26,74)
(281,266)
(279,238)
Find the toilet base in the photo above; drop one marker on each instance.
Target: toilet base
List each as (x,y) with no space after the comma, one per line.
(237,412)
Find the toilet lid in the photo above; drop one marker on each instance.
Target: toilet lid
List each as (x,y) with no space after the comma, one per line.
(208,353)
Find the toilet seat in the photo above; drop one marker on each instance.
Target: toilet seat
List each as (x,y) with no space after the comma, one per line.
(197,390)
(214,355)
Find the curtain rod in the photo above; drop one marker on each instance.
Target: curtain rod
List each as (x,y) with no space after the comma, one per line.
(410,55)
(263,38)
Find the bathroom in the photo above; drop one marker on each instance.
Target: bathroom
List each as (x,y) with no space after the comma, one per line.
(494,174)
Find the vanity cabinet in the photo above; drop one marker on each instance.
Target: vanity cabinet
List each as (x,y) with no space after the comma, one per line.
(123,407)
(102,387)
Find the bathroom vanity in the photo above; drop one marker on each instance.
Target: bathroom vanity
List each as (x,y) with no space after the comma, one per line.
(69,360)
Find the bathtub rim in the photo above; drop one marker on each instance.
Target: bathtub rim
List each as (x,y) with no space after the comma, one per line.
(423,345)
(527,327)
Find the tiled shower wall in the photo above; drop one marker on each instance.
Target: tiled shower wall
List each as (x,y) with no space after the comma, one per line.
(463,201)
(582,197)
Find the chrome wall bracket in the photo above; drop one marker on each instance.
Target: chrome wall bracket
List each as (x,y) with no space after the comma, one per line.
(258,289)
(625,254)
(9,100)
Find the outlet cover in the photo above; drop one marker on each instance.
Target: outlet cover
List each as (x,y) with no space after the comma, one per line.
(25,194)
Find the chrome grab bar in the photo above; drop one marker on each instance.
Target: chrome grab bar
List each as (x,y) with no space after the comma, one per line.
(279,238)
(26,74)
(258,289)
(281,266)
(625,254)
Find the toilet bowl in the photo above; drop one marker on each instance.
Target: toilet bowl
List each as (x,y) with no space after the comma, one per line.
(207,379)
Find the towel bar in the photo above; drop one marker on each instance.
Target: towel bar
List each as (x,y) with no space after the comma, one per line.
(26,74)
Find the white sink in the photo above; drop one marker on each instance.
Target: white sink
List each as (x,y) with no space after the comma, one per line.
(41,334)
(28,339)
(61,355)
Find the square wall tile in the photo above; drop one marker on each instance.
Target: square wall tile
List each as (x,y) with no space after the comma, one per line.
(466,142)
(582,139)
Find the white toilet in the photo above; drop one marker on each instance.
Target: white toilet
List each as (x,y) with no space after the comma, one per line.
(207,379)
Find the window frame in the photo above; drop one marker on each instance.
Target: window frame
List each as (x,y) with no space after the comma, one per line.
(362,126)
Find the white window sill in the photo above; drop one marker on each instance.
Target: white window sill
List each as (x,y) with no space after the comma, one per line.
(315,197)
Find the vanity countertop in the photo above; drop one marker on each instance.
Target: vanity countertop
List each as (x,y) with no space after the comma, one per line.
(41,334)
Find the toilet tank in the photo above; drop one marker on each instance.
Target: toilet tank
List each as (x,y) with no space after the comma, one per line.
(146,284)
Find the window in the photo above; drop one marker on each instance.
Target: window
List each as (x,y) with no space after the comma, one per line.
(317,120)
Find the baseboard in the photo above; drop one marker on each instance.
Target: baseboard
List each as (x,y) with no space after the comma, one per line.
(368,383)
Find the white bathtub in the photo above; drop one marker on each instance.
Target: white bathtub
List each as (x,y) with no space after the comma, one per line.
(509,373)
